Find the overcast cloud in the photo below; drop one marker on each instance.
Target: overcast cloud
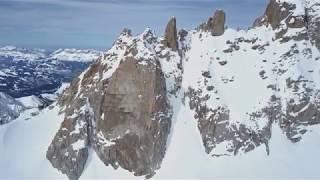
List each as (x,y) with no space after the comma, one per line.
(96,23)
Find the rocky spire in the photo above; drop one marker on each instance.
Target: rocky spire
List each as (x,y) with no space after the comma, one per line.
(215,24)
(278,11)
(171,37)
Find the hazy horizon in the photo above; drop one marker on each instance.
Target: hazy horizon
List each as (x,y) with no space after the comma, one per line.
(52,24)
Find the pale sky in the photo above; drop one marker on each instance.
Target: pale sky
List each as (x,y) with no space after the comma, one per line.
(96,23)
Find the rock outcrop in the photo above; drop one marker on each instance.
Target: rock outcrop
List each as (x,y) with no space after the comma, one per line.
(170,36)
(281,15)
(215,24)
(135,123)
(69,149)
(119,107)
(276,12)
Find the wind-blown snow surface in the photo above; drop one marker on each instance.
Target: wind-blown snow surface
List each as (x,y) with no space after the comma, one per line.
(24,144)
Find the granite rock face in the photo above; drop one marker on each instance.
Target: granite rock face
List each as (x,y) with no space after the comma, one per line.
(119,108)
(276,12)
(171,37)
(135,121)
(69,149)
(215,24)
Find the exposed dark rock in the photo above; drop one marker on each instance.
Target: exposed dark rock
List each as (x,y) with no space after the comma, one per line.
(295,22)
(136,119)
(182,34)
(215,128)
(222,63)
(276,12)
(68,151)
(300,114)
(215,24)
(206,74)
(259,21)
(171,37)
(125,118)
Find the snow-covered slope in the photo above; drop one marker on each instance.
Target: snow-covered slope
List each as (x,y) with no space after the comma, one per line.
(30,139)
(10,108)
(75,55)
(30,101)
(244,104)
(28,106)
(185,157)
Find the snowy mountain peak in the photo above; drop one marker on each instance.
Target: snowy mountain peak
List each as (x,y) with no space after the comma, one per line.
(147,109)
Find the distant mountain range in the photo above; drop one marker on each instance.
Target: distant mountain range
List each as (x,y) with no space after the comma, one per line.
(25,72)
(30,78)
(80,55)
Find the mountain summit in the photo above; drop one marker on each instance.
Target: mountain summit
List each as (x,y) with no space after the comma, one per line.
(206,103)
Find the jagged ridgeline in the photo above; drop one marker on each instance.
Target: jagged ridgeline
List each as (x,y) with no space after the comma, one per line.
(237,84)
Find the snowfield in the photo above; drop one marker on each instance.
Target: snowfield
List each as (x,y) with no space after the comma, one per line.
(24,145)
